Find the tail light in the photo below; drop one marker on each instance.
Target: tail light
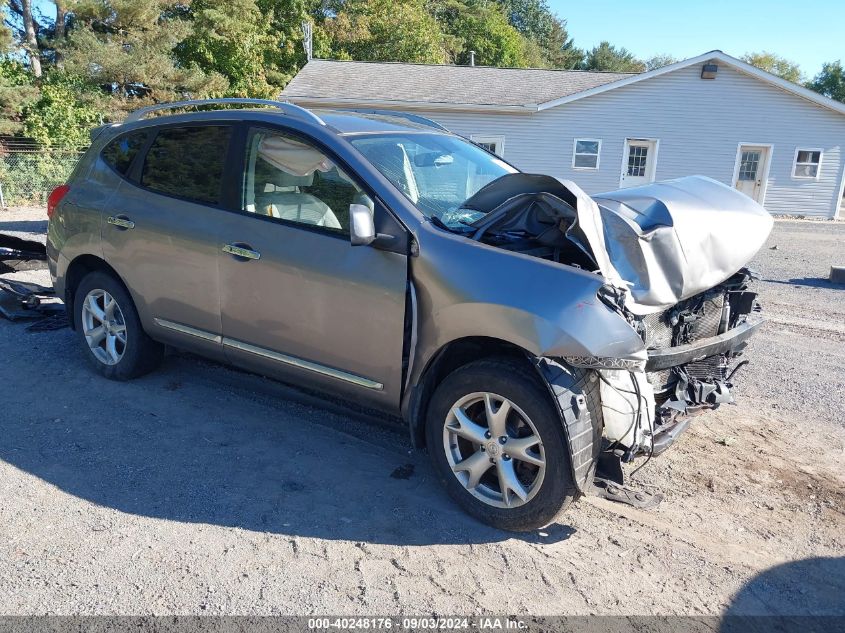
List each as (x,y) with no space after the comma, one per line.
(55,198)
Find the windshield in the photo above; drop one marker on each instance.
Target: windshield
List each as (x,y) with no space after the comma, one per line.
(438,173)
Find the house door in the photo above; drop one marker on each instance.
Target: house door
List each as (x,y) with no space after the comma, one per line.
(751,170)
(640,161)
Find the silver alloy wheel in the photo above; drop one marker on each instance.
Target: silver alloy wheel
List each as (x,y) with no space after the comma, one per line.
(104,327)
(494,450)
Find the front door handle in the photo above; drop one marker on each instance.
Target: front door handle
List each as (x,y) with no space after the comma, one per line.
(241,252)
(120,221)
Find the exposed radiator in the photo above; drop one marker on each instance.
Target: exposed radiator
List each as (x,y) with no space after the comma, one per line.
(659,333)
(659,330)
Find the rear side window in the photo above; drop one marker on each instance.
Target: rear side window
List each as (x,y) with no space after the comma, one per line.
(187,162)
(121,151)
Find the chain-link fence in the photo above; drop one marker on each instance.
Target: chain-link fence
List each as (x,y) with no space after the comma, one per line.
(27,176)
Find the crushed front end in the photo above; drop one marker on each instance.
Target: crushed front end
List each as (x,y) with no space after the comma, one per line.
(672,255)
(694,351)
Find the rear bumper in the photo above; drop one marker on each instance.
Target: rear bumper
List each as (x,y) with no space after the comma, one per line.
(692,352)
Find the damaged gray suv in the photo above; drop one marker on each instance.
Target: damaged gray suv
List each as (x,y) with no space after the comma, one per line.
(526,332)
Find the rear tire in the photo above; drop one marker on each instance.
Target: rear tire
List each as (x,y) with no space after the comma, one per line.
(107,323)
(476,459)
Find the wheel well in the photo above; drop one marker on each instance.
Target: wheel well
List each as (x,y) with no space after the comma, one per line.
(449,358)
(76,272)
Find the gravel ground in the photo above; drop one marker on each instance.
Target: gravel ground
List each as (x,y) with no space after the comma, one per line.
(203,490)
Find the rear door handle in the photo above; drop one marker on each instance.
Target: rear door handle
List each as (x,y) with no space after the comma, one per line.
(241,252)
(120,221)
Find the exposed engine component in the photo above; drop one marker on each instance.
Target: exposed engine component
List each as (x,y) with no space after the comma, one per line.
(704,383)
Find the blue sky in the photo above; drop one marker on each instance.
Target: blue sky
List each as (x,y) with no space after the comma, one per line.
(809,32)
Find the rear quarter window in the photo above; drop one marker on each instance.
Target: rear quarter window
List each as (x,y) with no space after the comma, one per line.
(187,162)
(120,152)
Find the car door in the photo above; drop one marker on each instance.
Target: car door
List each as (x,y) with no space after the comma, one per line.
(160,233)
(298,301)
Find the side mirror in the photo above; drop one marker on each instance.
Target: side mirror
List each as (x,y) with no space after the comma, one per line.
(362,228)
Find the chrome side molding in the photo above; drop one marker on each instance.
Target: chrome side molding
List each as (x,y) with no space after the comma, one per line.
(293,361)
(190,331)
(304,364)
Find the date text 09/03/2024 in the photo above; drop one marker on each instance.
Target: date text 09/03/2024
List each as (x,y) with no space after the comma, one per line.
(420,623)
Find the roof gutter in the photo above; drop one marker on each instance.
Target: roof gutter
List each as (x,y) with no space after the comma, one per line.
(309,101)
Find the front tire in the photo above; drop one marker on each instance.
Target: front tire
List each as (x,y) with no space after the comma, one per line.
(108,325)
(498,445)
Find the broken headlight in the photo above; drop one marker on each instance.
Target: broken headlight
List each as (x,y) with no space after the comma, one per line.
(612,297)
(599,362)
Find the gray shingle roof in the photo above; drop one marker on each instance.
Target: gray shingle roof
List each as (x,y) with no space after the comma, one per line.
(419,83)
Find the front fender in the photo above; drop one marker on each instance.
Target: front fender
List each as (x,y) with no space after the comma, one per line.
(468,289)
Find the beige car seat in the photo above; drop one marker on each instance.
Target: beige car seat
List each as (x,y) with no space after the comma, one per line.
(286,201)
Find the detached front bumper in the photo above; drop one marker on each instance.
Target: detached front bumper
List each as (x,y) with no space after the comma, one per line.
(691,358)
(699,380)
(699,350)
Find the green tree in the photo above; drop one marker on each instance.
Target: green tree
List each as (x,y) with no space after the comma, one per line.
(487,31)
(5,33)
(540,26)
(607,57)
(448,14)
(127,47)
(480,26)
(774,64)
(286,55)
(17,91)
(659,61)
(229,37)
(21,27)
(63,113)
(559,50)
(383,30)
(532,18)
(830,81)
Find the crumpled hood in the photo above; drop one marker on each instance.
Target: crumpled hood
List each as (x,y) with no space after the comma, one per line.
(663,242)
(674,239)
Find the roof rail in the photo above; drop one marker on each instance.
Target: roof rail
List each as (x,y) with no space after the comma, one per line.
(287,108)
(404,115)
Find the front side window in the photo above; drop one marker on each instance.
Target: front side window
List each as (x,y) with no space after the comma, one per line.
(120,152)
(290,180)
(807,163)
(586,153)
(187,162)
(438,173)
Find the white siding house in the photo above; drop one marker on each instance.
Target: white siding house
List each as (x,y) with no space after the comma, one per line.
(773,140)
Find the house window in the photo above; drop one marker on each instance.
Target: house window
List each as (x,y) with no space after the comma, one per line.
(494,144)
(585,153)
(749,165)
(807,163)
